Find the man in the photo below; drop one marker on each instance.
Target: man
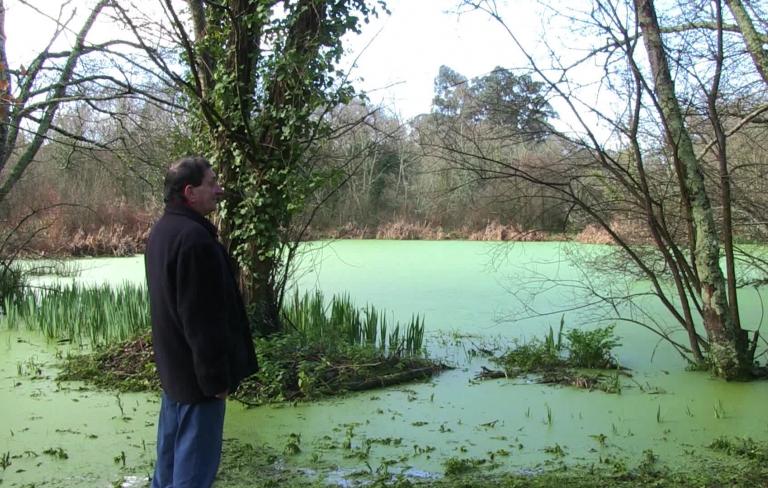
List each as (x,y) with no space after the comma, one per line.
(200,332)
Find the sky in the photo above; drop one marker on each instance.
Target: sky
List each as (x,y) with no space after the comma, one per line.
(397,56)
(400,54)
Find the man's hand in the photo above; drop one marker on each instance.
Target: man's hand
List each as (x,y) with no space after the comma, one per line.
(223,395)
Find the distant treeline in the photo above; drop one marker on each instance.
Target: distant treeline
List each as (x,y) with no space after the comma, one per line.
(382,177)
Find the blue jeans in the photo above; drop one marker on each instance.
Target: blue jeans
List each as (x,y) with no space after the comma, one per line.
(188,443)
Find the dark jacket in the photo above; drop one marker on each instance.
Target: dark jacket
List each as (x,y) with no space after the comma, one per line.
(200,331)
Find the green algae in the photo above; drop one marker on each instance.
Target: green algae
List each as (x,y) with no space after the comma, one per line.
(452,285)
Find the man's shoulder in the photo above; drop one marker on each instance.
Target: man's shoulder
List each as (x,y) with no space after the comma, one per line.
(181,229)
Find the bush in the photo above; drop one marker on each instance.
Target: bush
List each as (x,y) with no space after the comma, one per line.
(574,349)
(592,348)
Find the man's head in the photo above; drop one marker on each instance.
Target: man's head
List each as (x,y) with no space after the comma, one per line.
(192,182)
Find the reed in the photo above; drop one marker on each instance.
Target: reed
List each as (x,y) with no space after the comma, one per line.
(341,322)
(104,315)
(94,315)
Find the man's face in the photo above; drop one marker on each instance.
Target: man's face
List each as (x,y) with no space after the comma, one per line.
(203,198)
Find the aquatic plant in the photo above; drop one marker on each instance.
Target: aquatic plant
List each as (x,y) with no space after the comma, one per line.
(340,321)
(556,450)
(554,356)
(59,268)
(744,447)
(549,419)
(125,366)
(600,438)
(13,282)
(719,410)
(292,445)
(592,348)
(57,452)
(105,315)
(294,368)
(72,312)
(458,466)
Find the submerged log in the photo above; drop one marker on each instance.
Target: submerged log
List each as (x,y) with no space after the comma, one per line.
(395,378)
(489,374)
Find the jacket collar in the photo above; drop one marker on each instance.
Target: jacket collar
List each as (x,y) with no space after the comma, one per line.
(185,211)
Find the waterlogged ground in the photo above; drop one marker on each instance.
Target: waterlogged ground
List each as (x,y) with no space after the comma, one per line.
(59,434)
(463,289)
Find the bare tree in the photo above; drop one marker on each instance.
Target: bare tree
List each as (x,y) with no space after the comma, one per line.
(688,75)
(30,107)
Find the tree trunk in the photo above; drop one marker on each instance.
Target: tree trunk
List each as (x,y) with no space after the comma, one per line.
(12,174)
(729,350)
(5,88)
(752,38)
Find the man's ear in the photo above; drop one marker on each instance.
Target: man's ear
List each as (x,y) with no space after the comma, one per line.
(188,193)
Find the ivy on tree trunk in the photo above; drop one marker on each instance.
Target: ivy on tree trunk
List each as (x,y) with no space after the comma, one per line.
(261,78)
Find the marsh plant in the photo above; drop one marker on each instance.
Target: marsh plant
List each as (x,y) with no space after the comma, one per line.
(574,348)
(744,447)
(719,410)
(592,348)
(340,321)
(97,315)
(332,347)
(106,315)
(13,282)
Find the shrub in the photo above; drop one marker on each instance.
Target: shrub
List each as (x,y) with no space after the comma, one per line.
(592,348)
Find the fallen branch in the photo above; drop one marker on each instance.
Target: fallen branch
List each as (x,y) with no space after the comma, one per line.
(396,378)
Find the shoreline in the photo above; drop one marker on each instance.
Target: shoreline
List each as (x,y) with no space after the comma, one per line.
(118,241)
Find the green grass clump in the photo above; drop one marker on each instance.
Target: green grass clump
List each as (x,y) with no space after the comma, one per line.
(574,349)
(325,351)
(96,315)
(592,348)
(557,359)
(341,322)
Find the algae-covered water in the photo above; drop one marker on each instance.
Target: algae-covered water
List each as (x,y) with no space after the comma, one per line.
(467,291)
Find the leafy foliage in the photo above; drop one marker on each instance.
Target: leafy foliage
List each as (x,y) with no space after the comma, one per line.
(501,99)
(592,348)
(556,353)
(260,83)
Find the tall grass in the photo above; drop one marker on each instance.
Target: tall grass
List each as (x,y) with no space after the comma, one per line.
(97,315)
(341,322)
(104,315)
(12,282)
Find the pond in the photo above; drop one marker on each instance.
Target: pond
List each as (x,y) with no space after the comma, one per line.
(468,292)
